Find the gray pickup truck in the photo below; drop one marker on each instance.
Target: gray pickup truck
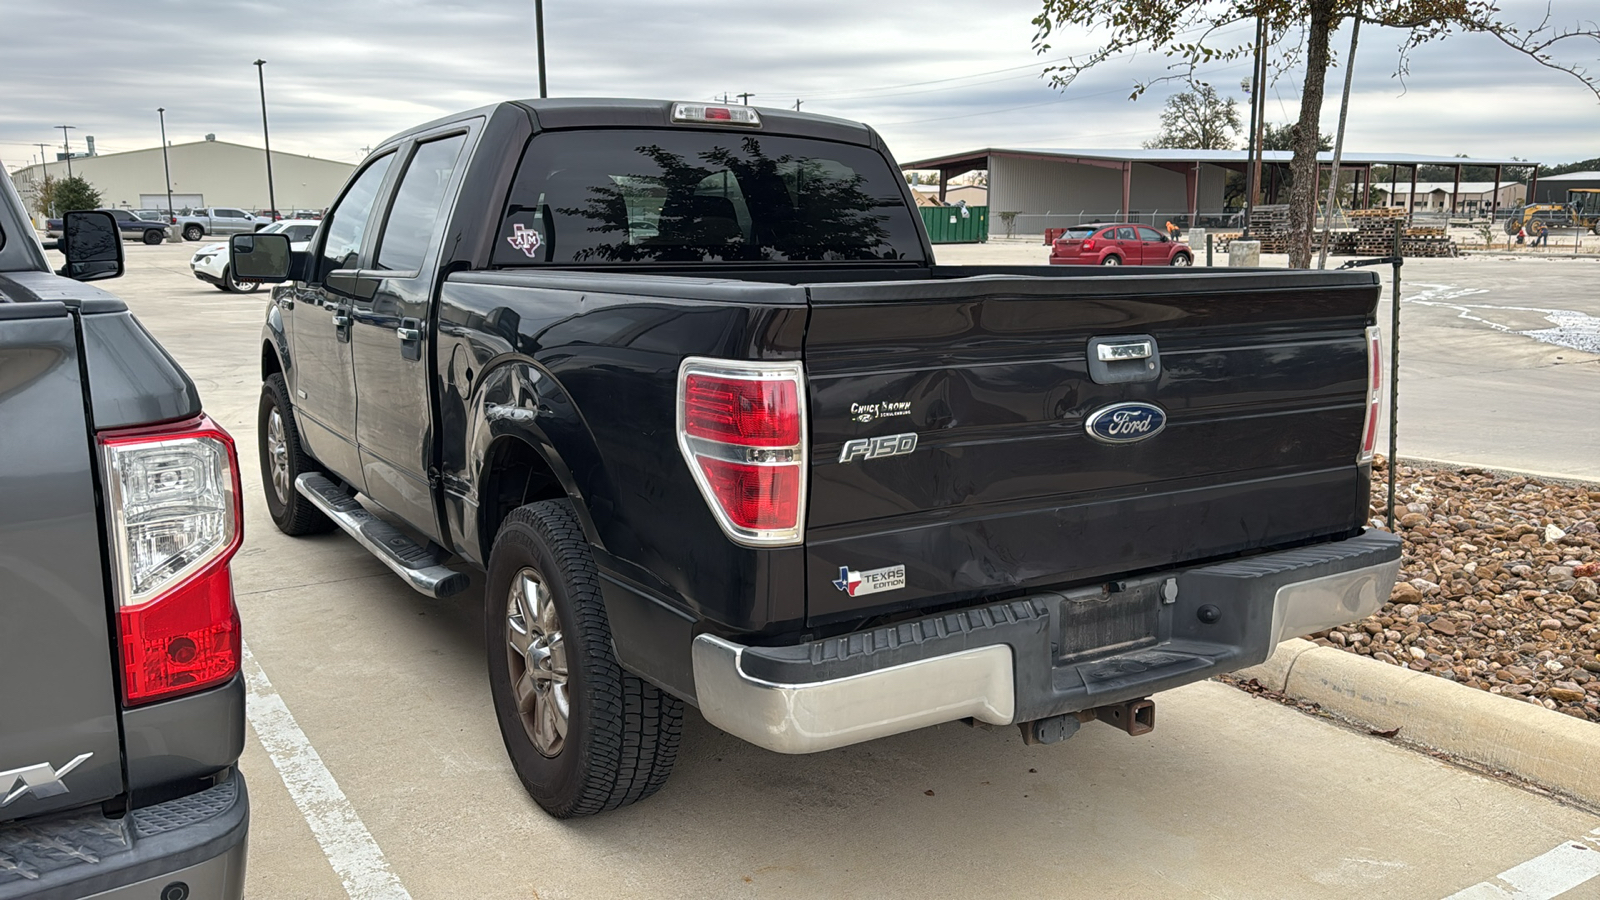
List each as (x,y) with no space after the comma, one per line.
(198,223)
(121,700)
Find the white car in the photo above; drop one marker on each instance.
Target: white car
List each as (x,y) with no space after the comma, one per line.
(210,263)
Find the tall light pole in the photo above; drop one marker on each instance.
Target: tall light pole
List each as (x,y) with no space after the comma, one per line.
(66,144)
(167,167)
(538,26)
(266,137)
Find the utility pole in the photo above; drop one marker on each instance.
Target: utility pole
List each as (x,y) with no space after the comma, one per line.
(162,112)
(538,25)
(745,97)
(66,144)
(797,106)
(724,96)
(266,137)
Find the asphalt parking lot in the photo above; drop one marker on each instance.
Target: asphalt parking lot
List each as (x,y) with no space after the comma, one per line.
(377,771)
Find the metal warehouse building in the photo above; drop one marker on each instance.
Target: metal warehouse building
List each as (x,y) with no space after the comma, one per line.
(1057,187)
(204,173)
(1553,188)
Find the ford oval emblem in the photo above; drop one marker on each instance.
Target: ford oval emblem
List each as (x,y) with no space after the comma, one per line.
(1125,423)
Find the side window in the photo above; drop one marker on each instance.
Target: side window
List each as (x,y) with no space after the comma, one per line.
(122,215)
(1126,233)
(346,225)
(415,213)
(1149,235)
(231,213)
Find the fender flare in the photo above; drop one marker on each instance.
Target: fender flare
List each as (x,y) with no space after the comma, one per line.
(519,399)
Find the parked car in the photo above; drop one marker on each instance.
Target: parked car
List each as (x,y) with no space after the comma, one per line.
(1120,244)
(314,214)
(121,701)
(764,457)
(210,262)
(155,215)
(270,215)
(219,220)
(131,226)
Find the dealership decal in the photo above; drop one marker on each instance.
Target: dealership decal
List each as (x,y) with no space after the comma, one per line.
(872,581)
(866,412)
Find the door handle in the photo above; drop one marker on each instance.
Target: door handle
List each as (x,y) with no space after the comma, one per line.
(341,320)
(408,334)
(1125,350)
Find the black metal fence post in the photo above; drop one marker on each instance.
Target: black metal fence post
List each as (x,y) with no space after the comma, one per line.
(1394,370)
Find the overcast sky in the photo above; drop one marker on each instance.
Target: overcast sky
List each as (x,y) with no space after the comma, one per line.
(934,76)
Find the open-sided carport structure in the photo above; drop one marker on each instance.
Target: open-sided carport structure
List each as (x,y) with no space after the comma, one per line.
(1054,186)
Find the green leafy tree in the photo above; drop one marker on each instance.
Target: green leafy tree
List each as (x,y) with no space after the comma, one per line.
(1187,32)
(1197,120)
(42,196)
(75,193)
(1281,137)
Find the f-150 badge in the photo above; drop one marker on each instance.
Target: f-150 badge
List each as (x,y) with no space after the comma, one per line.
(872,581)
(878,447)
(1124,423)
(42,779)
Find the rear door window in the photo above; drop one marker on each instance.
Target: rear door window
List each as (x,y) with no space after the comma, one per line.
(641,196)
(415,211)
(1126,233)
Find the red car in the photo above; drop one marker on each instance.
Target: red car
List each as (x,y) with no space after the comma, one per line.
(1118,245)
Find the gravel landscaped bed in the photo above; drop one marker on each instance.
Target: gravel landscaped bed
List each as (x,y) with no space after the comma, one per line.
(1498,585)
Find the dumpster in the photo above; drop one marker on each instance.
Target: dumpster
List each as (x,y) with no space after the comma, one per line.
(947,225)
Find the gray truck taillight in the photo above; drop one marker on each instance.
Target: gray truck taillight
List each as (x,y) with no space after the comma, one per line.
(742,431)
(1369,427)
(175,523)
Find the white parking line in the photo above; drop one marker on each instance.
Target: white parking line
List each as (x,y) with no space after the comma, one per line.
(350,849)
(1543,877)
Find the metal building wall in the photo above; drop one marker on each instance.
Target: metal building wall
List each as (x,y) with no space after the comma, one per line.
(1050,193)
(226,174)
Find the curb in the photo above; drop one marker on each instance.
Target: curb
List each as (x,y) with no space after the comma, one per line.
(1535,744)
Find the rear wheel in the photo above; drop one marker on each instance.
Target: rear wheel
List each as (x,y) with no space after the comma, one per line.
(282,461)
(1513,225)
(153,237)
(1537,227)
(193,232)
(1111,261)
(1182,259)
(583,735)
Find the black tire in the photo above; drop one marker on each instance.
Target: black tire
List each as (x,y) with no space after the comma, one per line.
(622,733)
(1182,259)
(1112,260)
(153,237)
(292,512)
(221,286)
(193,232)
(237,287)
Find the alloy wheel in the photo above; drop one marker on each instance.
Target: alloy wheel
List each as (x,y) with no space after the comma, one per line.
(278,456)
(537,653)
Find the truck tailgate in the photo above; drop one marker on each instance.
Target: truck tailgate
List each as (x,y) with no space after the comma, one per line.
(1262,378)
(59,737)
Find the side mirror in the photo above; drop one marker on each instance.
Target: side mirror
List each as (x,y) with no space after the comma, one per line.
(259,258)
(92,244)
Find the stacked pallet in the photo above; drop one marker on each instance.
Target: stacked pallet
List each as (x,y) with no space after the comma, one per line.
(1374,233)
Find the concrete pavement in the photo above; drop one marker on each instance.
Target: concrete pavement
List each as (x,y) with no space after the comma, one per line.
(1231,796)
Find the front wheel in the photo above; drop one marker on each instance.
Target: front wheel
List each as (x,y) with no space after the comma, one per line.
(153,237)
(1513,225)
(193,232)
(1111,261)
(584,736)
(282,461)
(1182,259)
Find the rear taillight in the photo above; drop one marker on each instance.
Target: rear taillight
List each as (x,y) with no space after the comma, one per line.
(742,429)
(1089,244)
(1369,428)
(175,522)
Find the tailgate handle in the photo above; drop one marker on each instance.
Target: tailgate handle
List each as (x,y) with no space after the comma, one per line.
(1125,350)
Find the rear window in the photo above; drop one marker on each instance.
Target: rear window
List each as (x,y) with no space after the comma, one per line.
(623,196)
(1078,232)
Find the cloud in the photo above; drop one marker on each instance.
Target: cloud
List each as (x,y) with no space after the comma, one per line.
(934,76)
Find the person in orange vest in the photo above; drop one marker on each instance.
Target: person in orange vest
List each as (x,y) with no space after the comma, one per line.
(1172,230)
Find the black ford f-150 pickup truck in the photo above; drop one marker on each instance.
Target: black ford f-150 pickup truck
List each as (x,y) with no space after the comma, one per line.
(121,703)
(685,382)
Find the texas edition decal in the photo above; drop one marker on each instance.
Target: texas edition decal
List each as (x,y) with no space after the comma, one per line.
(872,581)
